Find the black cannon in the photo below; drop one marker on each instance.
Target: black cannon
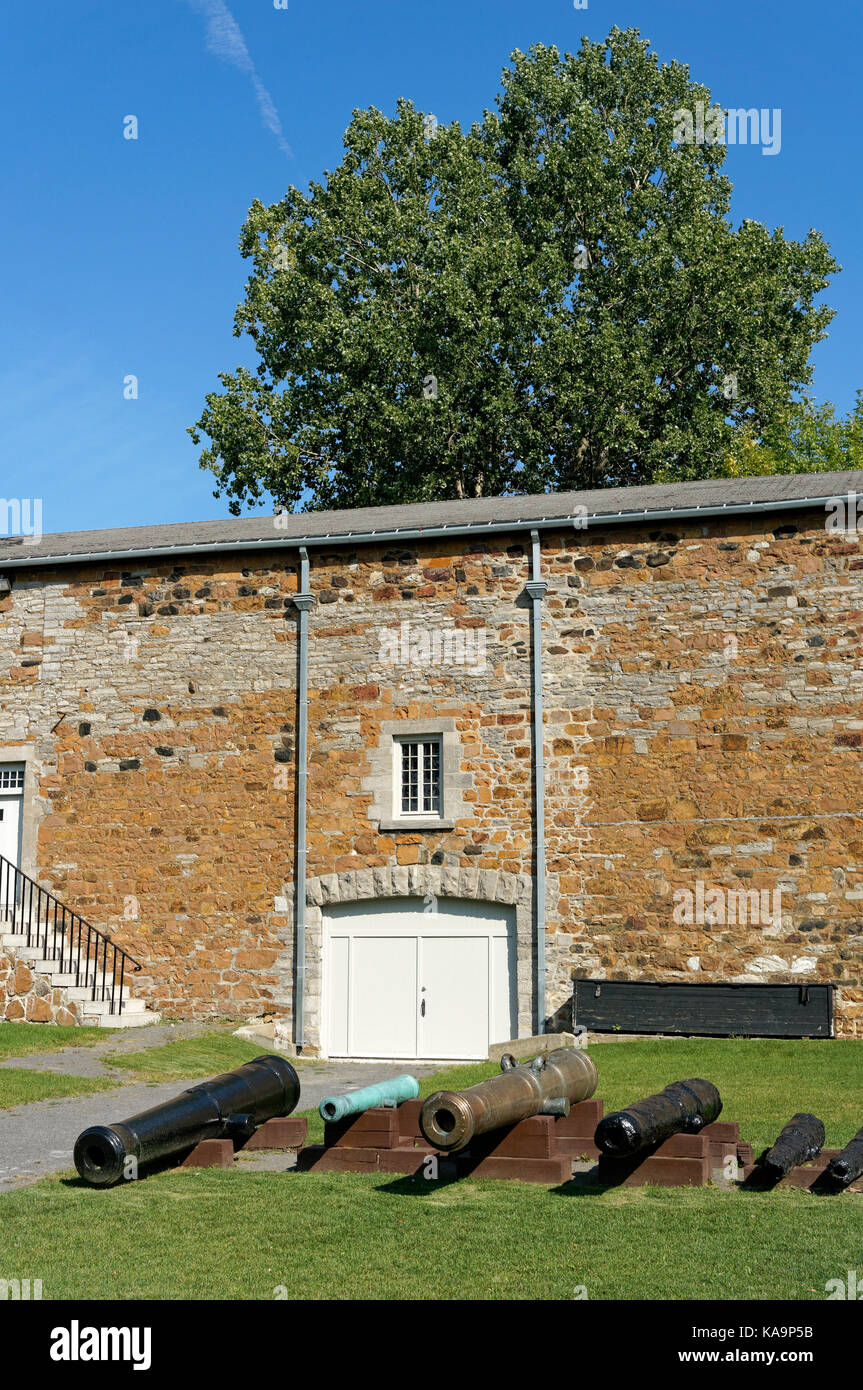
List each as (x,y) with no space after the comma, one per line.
(847,1165)
(684,1107)
(800,1140)
(230,1106)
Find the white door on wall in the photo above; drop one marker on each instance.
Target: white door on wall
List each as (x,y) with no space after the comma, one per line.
(11,793)
(404,982)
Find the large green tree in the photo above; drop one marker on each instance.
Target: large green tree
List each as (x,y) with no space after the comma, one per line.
(555,298)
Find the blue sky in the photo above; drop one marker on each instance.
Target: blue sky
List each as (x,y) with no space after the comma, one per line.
(120,257)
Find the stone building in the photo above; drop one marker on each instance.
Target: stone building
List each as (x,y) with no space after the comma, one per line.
(290,764)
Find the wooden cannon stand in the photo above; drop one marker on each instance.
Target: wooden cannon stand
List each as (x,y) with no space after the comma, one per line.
(541,1149)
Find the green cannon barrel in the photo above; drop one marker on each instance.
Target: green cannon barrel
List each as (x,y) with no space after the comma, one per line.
(546,1086)
(382,1093)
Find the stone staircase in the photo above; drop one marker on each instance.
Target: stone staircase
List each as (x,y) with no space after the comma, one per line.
(54,962)
(92,1000)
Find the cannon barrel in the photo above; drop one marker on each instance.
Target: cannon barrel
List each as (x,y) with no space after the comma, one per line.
(847,1165)
(801,1139)
(229,1106)
(546,1086)
(392,1092)
(684,1107)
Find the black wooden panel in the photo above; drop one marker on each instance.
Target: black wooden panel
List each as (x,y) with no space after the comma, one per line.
(754,1011)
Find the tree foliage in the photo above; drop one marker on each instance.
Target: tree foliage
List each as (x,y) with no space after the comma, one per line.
(803,438)
(555,298)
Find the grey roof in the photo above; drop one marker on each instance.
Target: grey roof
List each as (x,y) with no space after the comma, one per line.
(400,523)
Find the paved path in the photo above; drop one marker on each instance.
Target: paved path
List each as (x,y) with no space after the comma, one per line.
(87,1060)
(37,1139)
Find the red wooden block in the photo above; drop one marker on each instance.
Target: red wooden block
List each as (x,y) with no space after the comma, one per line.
(684,1146)
(376,1129)
(283,1132)
(551,1171)
(531,1138)
(409,1119)
(211,1153)
(726,1130)
(403,1160)
(339,1159)
(661,1172)
(582,1118)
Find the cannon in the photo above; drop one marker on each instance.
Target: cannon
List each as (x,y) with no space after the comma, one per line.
(548,1085)
(801,1139)
(847,1165)
(228,1107)
(355,1102)
(684,1107)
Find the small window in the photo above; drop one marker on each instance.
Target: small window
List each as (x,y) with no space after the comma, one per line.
(418,777)
(11,777)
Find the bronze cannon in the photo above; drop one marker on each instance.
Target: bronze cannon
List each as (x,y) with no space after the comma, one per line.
(684,1107)
(228,1107)
(548,1085)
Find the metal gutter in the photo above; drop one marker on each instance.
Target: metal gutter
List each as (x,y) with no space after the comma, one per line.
(536,588)
(303,601)
(23,560)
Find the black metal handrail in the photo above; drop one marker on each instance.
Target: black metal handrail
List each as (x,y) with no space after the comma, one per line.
(64,935)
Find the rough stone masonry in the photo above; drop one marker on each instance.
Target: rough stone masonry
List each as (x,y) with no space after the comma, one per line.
(703,723)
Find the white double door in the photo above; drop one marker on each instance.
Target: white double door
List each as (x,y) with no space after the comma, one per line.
(405,982)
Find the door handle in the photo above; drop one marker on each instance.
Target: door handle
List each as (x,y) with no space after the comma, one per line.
(423,1009)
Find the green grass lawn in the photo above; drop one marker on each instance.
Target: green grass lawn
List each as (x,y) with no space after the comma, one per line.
(19,1086)
(214,1234)
(239,1235)
(207,1055)
(23,1039)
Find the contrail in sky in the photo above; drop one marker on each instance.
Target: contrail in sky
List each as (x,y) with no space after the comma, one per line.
(225,40)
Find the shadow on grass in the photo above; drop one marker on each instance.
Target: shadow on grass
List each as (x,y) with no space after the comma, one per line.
(171,1163)
(415,1185)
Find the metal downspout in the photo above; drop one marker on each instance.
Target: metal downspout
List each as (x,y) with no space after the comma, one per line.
(303,601)
(536,588)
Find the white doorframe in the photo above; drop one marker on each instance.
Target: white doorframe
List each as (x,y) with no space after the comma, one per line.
(12,776)
(404,918)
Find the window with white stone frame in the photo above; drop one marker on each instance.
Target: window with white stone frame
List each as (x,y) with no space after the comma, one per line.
(418,775)
(417,768)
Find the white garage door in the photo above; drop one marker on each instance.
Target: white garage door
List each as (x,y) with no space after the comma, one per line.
(400,981)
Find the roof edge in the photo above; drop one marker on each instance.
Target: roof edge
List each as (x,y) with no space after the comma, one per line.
(583,521)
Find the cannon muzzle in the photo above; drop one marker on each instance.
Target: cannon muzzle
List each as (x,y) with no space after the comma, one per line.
(684,1107)
(229,1106)
(546,1086)
(847,1165)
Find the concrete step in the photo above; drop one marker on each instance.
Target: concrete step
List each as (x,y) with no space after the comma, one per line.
(36,954)
(137,1019)
(85,991)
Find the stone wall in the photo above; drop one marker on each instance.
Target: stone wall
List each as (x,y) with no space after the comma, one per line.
(27,997)
(161,707)
(704,726)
